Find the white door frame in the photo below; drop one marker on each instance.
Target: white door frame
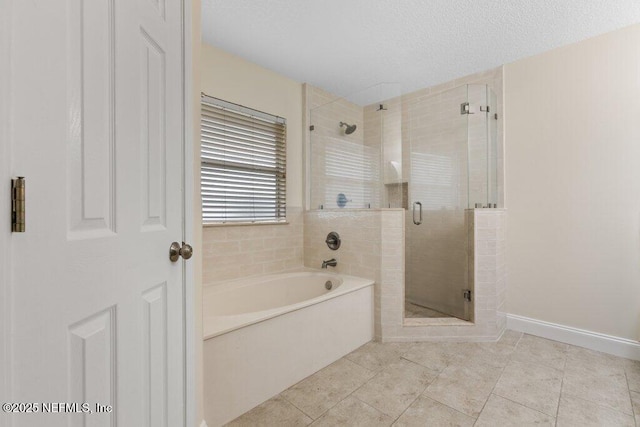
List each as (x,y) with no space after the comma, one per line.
(5,218)
(188,197)
(190,331)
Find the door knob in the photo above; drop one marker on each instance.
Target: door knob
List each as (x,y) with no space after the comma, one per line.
(176,251)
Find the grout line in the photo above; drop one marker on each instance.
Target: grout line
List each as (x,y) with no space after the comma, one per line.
(633,410)
(604,405)
(375,374)
(423,390)
(560,397)
(564,374)
(525,406)
(370,406)
(434,398)
(294,405)
(519,339)
(608,408)
(439,371)
(356,389)
(492,389)
(327,410)
(412,402)
(444,404)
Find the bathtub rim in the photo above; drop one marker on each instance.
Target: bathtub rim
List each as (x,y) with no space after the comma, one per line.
(230,323)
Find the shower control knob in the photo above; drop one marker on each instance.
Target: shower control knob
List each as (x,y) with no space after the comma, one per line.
(176,251)
(333,240)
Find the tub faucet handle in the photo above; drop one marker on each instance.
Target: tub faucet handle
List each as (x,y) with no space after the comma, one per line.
(330,262)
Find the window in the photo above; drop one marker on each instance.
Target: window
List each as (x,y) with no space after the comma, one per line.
(243,164)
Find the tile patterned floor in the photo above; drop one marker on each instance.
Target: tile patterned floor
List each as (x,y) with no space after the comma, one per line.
(522,380)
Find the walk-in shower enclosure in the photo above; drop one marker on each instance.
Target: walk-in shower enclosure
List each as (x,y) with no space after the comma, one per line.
(450,148)
(435,156)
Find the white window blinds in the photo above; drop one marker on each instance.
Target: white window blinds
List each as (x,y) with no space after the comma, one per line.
(243,164)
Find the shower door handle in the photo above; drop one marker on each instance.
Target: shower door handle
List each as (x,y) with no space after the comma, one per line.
(419,221)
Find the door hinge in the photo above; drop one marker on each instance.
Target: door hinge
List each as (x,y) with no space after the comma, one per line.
(312,127)
(18,205)
(466,294)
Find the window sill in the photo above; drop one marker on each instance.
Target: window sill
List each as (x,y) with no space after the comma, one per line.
(244,224)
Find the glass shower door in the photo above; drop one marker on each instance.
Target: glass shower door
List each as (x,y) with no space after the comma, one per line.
(436,230)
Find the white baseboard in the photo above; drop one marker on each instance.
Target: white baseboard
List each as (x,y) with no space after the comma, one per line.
(592,340)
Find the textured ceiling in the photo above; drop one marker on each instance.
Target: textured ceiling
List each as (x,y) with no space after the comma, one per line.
(345,46)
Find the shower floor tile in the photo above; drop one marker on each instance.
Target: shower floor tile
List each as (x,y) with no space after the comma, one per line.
(413,311)
(519,380)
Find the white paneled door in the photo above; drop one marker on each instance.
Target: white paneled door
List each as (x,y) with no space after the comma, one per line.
(97,310)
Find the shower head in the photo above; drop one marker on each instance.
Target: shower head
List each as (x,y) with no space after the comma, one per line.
(349,128)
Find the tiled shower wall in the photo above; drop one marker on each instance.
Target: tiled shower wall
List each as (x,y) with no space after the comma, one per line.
(359,230)
(232,252)
(490,265)
(372,247)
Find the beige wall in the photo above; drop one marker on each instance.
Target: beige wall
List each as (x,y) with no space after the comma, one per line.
(231,252)
(573,185)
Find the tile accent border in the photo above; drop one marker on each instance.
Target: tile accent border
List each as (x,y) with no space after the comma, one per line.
(592,340)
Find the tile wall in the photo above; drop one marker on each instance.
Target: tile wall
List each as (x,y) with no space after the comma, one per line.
(490,265)
(235,251)
(372,247)
(359,230)
(487,252)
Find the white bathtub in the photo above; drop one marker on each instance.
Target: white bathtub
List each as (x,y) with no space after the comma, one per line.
(264,334)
